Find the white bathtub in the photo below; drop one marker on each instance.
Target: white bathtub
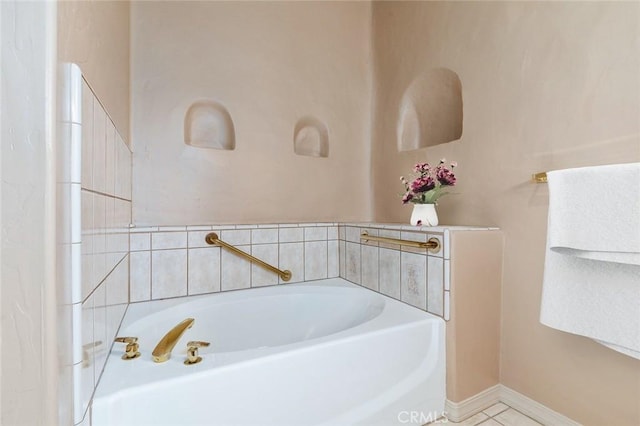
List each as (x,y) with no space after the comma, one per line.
(320,353)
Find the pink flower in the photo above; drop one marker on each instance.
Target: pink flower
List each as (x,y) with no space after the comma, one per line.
(445,176)
(422,168)
(423,184)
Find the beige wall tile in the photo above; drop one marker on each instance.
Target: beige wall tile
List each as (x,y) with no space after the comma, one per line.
(390,272)
(315,233)
(264,236)
(168,240)
(110,158)
(99,149)
(315,259)
(291,235)
(435,285)
(140,241)
(291,258)
(140,276)
(168,273)
(353,262)
(370,267)
(236,271)
(333,259)
(236,237)
(413,279)
(87,136)
(204,270)
(267,253)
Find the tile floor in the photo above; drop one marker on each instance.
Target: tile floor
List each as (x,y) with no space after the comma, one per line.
(498,415)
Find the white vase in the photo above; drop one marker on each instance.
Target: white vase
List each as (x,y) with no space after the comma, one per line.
(424,215)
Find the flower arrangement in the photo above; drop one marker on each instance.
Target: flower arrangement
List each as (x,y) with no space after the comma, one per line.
(430,184)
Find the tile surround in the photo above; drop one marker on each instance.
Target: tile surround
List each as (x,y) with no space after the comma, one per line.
(94,206)
(409,274)
(310,251)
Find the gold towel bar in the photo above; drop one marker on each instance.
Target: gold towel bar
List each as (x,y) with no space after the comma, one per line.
(213,239)
(539,177)
(433,245)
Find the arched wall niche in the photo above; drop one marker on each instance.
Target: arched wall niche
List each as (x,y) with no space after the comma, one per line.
(311,138)
(208,124)
(430,110)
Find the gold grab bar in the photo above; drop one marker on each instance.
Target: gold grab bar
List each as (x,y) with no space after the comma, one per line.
(213,239)
(432,245)
(539,177)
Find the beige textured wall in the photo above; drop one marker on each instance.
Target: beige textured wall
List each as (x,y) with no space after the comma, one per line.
(269,64)
(546,85)
(473,332)
(95,35)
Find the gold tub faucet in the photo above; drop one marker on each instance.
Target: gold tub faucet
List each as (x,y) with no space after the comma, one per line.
(163,349)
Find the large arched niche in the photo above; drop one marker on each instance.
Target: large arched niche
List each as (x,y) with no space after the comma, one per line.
(208,124)
(430,110)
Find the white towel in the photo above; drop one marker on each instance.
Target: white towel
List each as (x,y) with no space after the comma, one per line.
(592,266)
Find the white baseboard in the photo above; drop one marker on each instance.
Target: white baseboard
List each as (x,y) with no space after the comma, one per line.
(457,411)
(535,410)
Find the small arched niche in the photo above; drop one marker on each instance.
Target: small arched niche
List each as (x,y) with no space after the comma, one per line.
(208,124)
(430,110)
(311,138)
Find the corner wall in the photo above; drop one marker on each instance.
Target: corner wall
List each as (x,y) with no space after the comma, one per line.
(545,86)
(95,35)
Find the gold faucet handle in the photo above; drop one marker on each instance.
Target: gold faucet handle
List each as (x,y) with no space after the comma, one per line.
(131,351)
(126,339)
(192,352)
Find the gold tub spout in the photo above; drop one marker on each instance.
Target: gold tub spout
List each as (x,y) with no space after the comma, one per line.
(163,349)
